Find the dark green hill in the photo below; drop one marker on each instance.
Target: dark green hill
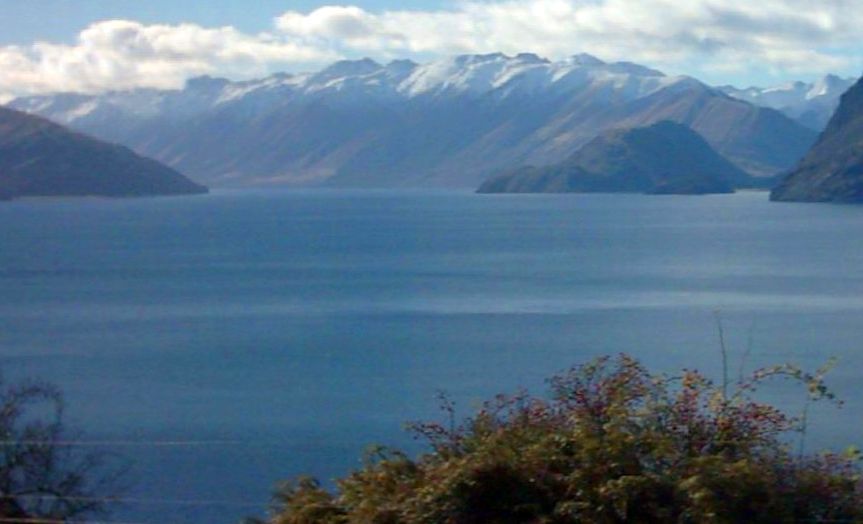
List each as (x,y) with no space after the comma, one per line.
(832,171)
(40,158)
(664,158)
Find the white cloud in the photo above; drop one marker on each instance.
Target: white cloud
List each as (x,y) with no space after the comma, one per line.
(120,54)
(798,36)
(701,37)
(338,22)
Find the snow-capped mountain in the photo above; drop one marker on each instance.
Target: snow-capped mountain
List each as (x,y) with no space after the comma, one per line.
(403,79)
(812,104)
(447,122)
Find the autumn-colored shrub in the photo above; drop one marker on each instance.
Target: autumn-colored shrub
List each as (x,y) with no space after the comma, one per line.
(613,444)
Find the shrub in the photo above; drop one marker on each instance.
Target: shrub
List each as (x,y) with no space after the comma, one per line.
(613,444)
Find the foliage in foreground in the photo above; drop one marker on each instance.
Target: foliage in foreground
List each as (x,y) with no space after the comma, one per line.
(43,478)
(614,444)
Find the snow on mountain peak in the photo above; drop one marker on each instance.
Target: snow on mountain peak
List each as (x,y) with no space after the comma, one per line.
(811,104)
(792,93)
(531,57)
(630,68)
(828,85)
(497,74)
(459,73)
(585,59)
(523,72)
(469,73)
(346,68)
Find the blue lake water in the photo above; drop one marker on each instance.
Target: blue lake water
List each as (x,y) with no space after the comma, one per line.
(225,342)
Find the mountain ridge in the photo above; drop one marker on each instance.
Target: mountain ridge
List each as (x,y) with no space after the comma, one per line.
(450,122)
(809,103)
(663,158)
(832,171)
(41,158)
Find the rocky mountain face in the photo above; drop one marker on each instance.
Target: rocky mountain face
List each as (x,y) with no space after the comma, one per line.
(451,122)
(664,158)
(833,170)
(809,103)
(40,158)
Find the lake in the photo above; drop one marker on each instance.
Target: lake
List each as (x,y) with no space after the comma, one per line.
(225,342)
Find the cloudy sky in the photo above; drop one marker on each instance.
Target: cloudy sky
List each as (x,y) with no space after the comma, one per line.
(95,45)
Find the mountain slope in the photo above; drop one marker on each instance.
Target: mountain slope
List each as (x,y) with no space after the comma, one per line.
(663,158)
(451,122)
(833,170)
(40,158)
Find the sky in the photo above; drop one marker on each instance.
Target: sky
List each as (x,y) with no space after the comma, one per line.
(98,45)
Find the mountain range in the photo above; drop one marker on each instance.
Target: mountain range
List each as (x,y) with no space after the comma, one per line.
(809,103)
(833,170)
(450,122)
(41,158)
(664,158)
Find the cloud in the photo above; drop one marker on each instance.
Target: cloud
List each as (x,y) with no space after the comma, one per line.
(337,22)
(121,54)
(798,36)
(708,38)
